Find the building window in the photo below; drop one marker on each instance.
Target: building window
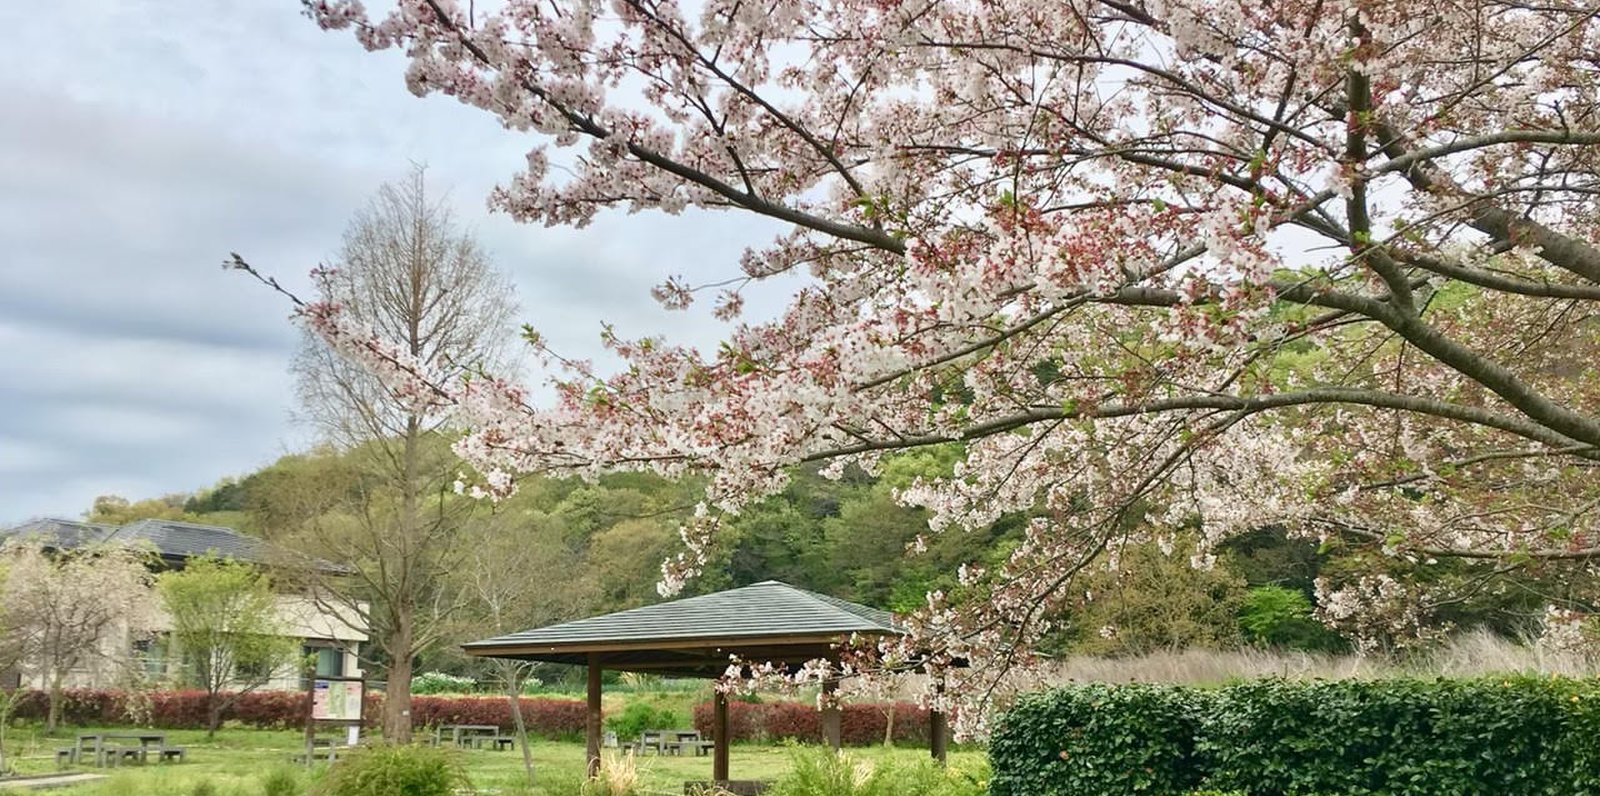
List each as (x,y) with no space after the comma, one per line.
(150,654)
(330,660)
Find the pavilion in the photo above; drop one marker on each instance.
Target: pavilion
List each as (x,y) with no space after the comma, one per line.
(769,622)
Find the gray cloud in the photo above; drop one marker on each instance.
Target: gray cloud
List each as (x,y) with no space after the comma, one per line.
(140,145)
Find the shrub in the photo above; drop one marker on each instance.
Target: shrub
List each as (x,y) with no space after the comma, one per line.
(442,683)
(1401,737)
(281,782)
(1278,617)
(384,770)
(1412,737)
(860,723)
(557,719)
(1098,739)
(640,716)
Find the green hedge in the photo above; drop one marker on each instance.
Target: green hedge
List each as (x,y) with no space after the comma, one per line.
(1521,735)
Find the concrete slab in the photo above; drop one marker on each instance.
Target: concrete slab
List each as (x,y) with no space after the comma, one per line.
(43,781)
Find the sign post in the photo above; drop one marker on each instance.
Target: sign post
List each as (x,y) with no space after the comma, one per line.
(334,700)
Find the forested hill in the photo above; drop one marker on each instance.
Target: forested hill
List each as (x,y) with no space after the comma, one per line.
(845,537)
(602,545)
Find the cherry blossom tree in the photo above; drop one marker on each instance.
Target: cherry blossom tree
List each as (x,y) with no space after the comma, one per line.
(1159,264)
(74,608)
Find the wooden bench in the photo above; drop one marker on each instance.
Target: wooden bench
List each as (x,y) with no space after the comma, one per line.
(66,757)
(170,753)
(321,749)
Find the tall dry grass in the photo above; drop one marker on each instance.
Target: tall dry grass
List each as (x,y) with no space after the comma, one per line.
(1468,654)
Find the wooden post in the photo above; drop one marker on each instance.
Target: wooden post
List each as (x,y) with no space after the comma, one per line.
(719,735)
(830,715)
(311,722)
(593,724)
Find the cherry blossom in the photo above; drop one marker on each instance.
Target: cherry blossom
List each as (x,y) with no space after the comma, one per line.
(1157,265)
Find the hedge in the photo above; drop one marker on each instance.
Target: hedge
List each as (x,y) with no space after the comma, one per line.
(860,724)
(1447,737)
(545,717)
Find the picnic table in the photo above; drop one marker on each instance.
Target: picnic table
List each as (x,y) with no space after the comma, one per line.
(673,742)
(106,752)
(473,735)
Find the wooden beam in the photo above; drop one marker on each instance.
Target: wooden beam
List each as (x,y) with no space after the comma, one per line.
(831,718)
(938,735)
(719,735)
(592,727)
(723,643)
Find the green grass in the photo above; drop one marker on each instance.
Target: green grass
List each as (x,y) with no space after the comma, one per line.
(239,759)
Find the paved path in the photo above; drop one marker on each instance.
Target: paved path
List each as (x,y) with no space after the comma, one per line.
(49,781)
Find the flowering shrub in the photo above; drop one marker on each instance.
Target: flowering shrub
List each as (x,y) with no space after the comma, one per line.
(442,683)
(860,724)
(1399,737)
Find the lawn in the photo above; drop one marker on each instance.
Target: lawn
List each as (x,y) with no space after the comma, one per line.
(236,761)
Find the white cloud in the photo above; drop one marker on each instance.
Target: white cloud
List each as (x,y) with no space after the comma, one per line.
(142,143)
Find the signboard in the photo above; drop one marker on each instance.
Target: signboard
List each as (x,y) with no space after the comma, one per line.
(336,700)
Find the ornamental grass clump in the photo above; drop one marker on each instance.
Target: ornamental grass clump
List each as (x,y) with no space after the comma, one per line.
(824,773)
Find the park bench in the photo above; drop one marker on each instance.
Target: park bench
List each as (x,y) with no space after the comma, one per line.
(321,749)
(172,754)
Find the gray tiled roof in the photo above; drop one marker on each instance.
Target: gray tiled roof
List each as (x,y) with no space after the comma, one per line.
(59,533)
(174,539)
(171,539)
(766,609)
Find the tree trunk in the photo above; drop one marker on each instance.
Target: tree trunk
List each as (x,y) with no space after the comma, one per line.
(53,718)
(514,693)
(888,726)
(213,716)
(8,701)
(397,694)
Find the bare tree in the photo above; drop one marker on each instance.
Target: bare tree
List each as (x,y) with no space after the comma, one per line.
(409,273)
(520,577)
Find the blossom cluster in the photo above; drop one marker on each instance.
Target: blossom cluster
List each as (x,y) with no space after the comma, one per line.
(1195,264)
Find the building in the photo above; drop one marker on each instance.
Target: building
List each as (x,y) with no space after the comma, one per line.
(332,633)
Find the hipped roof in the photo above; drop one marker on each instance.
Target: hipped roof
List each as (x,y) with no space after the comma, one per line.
(764,622)
(174,541)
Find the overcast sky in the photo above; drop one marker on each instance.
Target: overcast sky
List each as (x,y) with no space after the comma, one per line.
(140,143)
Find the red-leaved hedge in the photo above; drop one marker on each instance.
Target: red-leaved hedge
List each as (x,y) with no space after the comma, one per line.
(280,710)
(860,724)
